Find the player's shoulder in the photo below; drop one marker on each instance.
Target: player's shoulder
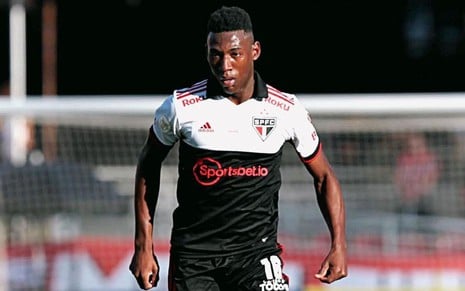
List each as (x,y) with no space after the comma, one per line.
(182,98)
(190,95)
(281,99)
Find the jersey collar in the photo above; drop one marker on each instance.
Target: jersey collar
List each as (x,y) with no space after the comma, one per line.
(259,92)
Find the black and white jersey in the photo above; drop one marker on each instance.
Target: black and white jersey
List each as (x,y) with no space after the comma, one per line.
(229,159)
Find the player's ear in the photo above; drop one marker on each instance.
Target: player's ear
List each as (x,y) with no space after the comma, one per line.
(256,50)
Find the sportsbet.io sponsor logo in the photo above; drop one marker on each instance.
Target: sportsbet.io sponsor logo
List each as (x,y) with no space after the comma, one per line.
(208,171)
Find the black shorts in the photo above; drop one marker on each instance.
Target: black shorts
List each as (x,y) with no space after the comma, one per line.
(257,271)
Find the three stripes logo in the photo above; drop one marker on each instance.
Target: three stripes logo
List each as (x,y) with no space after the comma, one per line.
(206,127)
(264,126)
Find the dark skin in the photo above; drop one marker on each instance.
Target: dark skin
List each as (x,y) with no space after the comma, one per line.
(144,265)
(331,203)
(231,56)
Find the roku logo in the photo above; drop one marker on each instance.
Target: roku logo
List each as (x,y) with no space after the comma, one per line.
(279,104)
(208,171)
(190,101)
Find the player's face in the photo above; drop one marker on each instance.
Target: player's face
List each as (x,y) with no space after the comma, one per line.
(231,57)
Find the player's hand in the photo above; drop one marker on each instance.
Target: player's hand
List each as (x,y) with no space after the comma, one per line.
(334,267)
(145,269)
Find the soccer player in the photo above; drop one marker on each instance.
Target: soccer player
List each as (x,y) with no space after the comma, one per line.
(231,129)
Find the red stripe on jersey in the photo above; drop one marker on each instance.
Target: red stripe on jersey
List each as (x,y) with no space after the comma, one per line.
(275,92)
(310,158)
(197,87)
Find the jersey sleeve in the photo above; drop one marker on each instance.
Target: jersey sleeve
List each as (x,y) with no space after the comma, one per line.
(305,137)
(165,122)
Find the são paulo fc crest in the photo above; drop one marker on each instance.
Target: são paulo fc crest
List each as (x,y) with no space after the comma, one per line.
(264,126)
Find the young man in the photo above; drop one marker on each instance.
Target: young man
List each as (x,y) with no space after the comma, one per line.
(231,129)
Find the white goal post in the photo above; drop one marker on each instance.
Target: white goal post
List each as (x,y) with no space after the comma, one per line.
(321,104)
(447,108)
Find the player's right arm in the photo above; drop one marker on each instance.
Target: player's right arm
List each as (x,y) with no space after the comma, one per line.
(144,265)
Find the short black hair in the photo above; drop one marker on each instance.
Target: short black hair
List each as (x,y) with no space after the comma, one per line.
(229,19)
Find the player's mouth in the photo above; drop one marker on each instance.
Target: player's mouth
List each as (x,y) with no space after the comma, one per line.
(228,82)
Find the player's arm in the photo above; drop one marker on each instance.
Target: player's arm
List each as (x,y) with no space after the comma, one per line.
(331,203)
(144,265)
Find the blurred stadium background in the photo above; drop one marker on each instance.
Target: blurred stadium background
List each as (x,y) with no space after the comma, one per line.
(74,121)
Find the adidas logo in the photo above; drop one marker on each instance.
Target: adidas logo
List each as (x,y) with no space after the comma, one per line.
(206,127)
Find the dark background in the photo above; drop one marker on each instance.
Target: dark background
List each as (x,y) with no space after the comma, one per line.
(152,47)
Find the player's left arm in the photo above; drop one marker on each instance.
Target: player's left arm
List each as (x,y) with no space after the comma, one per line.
(331,203)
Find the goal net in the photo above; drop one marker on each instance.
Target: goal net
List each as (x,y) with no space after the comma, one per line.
(66,187)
